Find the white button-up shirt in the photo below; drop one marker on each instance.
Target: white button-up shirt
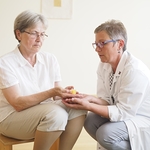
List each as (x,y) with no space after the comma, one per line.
(15,69)
(131,94)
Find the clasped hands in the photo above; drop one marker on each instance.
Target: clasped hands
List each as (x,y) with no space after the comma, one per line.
(73,99)
(77,100)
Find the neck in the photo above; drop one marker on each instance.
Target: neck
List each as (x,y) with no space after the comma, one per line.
(30,57)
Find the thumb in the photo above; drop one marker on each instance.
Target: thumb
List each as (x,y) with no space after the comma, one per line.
(76,100)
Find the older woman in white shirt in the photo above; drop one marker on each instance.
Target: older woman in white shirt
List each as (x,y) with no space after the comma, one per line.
(119,117)
(30,92)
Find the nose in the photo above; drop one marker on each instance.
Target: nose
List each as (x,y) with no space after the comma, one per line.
(39,37)
(98,49)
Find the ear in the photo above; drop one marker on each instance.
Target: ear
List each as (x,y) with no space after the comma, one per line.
(18,34)
(121,44)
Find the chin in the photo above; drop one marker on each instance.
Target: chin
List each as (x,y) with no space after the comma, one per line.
(103,61)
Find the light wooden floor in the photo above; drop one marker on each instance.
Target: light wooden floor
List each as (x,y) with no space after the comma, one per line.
(84,142)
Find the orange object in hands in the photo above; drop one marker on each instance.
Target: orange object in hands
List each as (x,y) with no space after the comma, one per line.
(73,91)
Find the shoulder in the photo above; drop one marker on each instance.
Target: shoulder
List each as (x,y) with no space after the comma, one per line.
(134,62)
(9,57)
(134,68)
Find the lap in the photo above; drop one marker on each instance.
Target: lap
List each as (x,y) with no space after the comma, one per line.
(111,135)
(105,128)
(44,117)
(113,131)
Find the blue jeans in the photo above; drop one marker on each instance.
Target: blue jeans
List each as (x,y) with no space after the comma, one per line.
(111,135)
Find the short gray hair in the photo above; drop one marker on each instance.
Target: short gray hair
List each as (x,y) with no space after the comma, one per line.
(115,29)
(28,19)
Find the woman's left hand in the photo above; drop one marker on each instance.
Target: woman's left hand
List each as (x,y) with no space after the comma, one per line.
(79,103)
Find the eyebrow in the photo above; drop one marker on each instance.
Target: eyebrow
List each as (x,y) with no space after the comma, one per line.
(37,31)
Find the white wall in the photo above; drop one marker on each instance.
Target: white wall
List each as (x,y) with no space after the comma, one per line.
(70,40)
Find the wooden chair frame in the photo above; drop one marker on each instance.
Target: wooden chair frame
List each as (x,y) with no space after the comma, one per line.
(7,143)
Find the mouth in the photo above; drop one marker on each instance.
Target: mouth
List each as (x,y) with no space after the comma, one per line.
(37,45)
(101,55)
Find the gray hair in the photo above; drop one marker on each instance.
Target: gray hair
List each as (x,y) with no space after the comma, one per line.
(115,29)
(28,19)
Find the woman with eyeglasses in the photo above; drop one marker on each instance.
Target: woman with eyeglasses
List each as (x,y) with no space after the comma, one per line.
(30,91)
(119,117)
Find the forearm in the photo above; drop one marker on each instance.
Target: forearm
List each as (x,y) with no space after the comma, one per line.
(24,102)
(99,101)
(99,109)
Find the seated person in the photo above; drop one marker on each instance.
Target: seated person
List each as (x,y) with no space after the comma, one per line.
(30,91)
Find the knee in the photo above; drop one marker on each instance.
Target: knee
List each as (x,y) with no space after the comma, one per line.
(90,126)
(112,138)
(54,120)
(58,117)
(102,136)
(87,123)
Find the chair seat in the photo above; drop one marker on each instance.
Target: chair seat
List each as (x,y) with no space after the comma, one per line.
(7,143)
(10,141)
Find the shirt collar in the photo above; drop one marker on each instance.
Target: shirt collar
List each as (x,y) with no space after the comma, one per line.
(23,61)
(120,66)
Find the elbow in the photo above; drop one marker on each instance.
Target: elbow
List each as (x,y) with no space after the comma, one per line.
(18,109)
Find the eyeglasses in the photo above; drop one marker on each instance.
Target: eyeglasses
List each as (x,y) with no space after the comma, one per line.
(101,44)
(34,35)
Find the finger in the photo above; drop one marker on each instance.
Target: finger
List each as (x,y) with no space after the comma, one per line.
(75,100)
(69,87)
(71,105)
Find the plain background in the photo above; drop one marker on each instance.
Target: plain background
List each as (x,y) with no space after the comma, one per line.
(70,39)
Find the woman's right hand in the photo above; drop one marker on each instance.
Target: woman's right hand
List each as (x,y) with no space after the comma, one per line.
(65,92)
